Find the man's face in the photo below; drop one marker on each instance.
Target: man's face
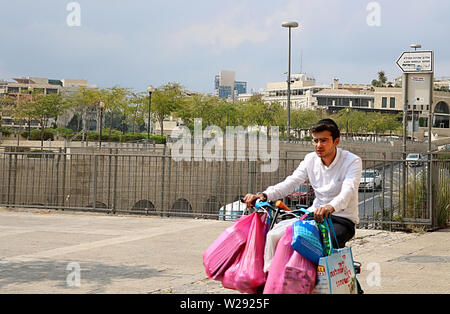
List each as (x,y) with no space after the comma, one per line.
(324,145)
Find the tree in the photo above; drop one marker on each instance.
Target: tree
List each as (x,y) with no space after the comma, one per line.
(136,109)
(116,100)
(166,100)
(7,105)
(255,111)
(42,108)
(353,121)
(80,102)
(303,119)
(382,79)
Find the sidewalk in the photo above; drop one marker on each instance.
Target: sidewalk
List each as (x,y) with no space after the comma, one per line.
(39,252)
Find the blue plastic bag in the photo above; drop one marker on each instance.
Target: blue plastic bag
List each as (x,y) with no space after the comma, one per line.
(306,240)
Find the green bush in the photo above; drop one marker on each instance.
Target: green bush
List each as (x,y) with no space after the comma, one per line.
(6,131)
(112,138)
(159,139)
(109,132)
(93,136)
(64,132)
(132,137)
(37,153)
(115,136)
(36,135)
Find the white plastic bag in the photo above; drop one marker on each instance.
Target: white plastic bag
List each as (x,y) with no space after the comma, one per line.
(272,238)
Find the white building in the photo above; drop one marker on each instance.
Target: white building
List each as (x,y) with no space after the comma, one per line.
(303,87)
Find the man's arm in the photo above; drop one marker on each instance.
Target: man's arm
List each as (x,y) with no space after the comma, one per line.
(281,189)
(289,184)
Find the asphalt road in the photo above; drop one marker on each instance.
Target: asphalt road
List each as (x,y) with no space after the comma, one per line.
(373,202)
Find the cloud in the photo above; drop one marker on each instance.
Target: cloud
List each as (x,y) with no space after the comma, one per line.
(140,42)
(230,29)
(222,32)
(220,36)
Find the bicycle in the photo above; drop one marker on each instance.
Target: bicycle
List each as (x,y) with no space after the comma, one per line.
(278,211)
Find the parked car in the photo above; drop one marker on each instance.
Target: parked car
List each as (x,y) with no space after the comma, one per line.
(304,194)
(370,180)
(414,159)
(232,211)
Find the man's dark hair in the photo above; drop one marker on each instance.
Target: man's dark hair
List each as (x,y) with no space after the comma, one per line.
(327,125)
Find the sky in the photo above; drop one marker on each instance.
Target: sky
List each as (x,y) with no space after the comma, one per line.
(137,43)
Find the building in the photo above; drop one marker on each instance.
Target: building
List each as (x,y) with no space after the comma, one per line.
(341,96)
(226,87)
(442,83)
(303,87)
(389,100)
(23,88)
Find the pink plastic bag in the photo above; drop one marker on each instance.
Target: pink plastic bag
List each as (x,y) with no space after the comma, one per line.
(290,272)
(224,250)
(229,278)
(247,273)
(299,275)
(283,252)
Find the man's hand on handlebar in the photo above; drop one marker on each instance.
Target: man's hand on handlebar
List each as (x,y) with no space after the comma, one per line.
(250,199)
(321,211)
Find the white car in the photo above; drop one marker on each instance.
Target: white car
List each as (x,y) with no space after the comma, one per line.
(232,211)
(370,180)
(414,159)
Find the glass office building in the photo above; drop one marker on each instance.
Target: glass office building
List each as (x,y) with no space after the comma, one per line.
(226,87)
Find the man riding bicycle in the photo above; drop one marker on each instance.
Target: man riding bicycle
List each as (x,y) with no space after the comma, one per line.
(334,175)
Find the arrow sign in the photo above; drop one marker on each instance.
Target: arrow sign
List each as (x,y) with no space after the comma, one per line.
(416,61)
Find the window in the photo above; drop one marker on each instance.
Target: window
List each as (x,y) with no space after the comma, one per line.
(383,102)
(392,102)
(365,103)
(423,122)
(321,101)
(441,121)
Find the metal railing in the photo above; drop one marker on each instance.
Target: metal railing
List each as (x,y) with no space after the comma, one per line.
(149,183)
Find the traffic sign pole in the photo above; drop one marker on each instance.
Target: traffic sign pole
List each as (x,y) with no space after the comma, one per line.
(420,62)
(405,114)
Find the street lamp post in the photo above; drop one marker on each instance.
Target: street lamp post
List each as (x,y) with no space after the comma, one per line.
(102,106)
(289,25)
(149,127)
(415,46)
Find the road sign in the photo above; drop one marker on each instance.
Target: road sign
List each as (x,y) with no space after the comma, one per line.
(416,61)
(418,89)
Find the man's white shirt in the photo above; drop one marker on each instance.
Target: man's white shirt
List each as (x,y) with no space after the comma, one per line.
(336,185)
